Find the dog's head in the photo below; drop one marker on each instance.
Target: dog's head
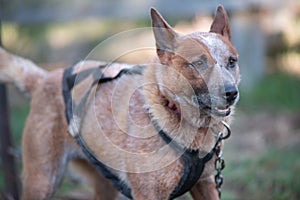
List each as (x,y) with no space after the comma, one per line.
(199,71)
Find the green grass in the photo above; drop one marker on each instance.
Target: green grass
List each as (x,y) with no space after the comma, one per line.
(65,187)
(273,175)
(274,92)
(17,120)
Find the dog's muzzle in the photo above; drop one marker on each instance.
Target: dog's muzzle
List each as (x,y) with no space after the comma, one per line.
(219,106)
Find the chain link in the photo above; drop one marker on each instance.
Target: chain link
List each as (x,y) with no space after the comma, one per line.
(220,162)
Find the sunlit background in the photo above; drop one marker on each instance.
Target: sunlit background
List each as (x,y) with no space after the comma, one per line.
(262,156)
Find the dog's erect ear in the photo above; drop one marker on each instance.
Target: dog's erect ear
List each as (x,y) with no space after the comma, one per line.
(165,37)
(221,23)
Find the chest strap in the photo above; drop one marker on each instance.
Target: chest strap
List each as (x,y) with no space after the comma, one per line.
(193,165)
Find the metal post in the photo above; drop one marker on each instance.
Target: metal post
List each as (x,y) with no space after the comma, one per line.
(8,163)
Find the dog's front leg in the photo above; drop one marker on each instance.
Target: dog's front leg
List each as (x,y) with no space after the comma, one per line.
(147,192)
(146,186)
(205,190)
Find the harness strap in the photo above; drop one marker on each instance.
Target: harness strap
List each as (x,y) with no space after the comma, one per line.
(69,81)
(66,90)
(104,170)
(193,165)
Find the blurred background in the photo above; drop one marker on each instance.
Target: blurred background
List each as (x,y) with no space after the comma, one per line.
(262,155)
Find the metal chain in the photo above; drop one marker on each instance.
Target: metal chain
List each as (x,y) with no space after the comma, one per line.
(220,162)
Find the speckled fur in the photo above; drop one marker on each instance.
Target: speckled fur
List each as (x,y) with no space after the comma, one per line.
(116,125)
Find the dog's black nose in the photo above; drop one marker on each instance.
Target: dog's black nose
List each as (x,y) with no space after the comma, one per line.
(231,93)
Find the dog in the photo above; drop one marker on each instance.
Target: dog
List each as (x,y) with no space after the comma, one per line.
(145,132)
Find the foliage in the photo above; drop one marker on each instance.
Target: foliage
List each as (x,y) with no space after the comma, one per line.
(274,92)
(273,175)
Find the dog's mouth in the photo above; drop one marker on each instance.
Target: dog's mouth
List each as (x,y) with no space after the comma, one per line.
(219,112)
(216,111)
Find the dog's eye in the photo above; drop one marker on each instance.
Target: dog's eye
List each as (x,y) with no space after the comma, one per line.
(197,64)
(232,62)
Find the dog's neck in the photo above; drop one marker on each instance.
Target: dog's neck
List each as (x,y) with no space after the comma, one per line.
(169,117)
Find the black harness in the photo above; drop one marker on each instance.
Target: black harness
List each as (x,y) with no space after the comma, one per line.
(193,165)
